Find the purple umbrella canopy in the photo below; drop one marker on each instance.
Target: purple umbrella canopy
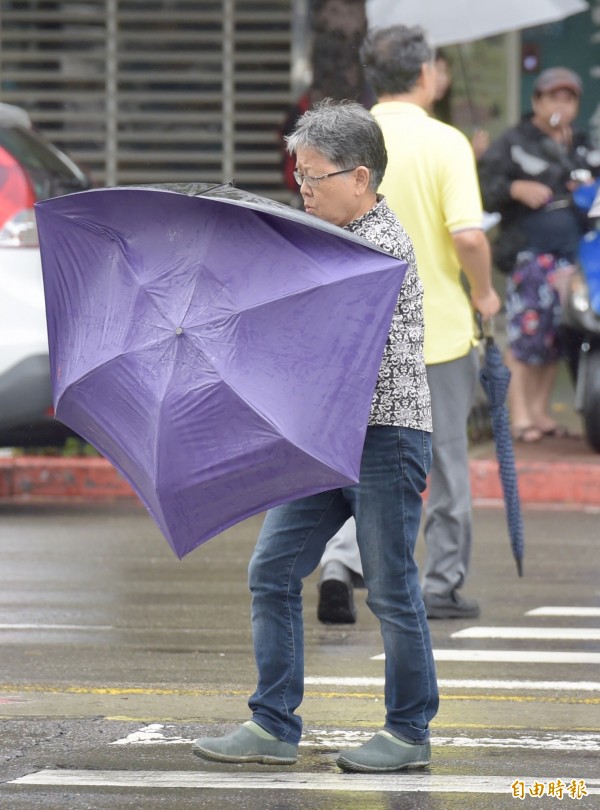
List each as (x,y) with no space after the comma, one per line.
(220,349)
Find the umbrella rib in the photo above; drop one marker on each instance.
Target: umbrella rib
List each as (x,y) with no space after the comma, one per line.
(282,297)
(277,430)
(113,359)
(114,236)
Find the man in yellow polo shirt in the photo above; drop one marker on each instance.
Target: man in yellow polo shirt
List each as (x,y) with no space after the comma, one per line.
(431,184)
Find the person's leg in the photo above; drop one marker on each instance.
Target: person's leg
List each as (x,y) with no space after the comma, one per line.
(448,529)
(523,424)
(387,506)
(341,570)
(534,314)
(343,548)
(288,549)
(522,302)
(543,381)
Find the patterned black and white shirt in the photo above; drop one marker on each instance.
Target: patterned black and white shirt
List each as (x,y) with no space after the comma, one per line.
(401,395)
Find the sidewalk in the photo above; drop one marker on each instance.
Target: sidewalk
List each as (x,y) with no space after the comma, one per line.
(552,471)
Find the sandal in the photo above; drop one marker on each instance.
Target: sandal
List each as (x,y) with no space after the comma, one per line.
(528,434)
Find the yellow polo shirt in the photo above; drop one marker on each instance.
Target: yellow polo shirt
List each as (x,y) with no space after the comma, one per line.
(431,184)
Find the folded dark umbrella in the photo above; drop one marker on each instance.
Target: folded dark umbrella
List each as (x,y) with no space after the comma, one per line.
(495,377)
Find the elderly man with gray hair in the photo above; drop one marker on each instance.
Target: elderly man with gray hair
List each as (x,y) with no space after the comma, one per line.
(340,160)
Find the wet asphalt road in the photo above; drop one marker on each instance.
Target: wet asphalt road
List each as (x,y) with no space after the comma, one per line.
(115,655)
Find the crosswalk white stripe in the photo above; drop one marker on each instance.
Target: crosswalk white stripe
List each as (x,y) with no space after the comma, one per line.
(546,633)
(467,683)
(157,734)
(549,741)
(511,656)
(364,783)
(550,610)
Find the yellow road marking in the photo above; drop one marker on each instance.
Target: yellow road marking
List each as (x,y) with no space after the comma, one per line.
(163,691)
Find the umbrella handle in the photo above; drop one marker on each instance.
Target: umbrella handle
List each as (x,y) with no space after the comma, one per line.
(486,328)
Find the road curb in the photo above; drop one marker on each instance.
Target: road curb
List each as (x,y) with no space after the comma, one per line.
(38,477)
(570,483)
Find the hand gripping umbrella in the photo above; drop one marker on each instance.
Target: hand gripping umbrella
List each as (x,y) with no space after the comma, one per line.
(220,349)
(495,377)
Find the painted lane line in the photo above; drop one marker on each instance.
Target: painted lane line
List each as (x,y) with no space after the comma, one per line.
(335,739)
(17,691)
(541,611)
(380,783)
(150,735)
(552,741)
(581,612)
(185,631)
(467,683)
(546,633)
(511,656)
(121,628)
(56,627)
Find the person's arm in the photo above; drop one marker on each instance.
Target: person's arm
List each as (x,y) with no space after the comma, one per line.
(499,188)
(461,209)
(473,250)
(530,193)
(480,141)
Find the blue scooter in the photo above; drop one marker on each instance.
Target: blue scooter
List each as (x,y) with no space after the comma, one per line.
(581,317)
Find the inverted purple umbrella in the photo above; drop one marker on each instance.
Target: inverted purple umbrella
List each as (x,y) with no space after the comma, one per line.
(220,349)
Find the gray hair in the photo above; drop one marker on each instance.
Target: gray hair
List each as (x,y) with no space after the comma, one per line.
(393,57)
(345,133)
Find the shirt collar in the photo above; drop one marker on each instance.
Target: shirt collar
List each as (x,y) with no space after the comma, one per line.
(403,107)
(373,213)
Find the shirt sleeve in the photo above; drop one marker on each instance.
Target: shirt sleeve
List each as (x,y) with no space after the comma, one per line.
(460,194)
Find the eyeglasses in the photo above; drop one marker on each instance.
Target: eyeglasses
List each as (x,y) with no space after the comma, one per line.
(313,182)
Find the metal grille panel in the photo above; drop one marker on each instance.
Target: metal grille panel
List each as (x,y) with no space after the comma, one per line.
(155,90)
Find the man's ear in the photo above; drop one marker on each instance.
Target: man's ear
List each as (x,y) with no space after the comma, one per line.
(362,177)
(426,83)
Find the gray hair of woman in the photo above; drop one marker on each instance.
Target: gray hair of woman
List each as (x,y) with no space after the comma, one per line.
(346,134)
(393,57)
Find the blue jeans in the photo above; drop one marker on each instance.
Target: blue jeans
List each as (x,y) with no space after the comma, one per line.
(387,507)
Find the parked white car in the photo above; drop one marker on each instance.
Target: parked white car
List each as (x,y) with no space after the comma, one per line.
(31,169)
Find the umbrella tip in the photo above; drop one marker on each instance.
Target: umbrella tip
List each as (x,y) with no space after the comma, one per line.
(520,567)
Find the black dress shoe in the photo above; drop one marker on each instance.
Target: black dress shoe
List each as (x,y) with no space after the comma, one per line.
(336,595)
(454,606)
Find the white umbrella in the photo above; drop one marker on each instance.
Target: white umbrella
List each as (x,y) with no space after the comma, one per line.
(450,22)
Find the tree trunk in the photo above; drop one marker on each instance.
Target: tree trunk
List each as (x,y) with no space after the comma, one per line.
(339,27)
